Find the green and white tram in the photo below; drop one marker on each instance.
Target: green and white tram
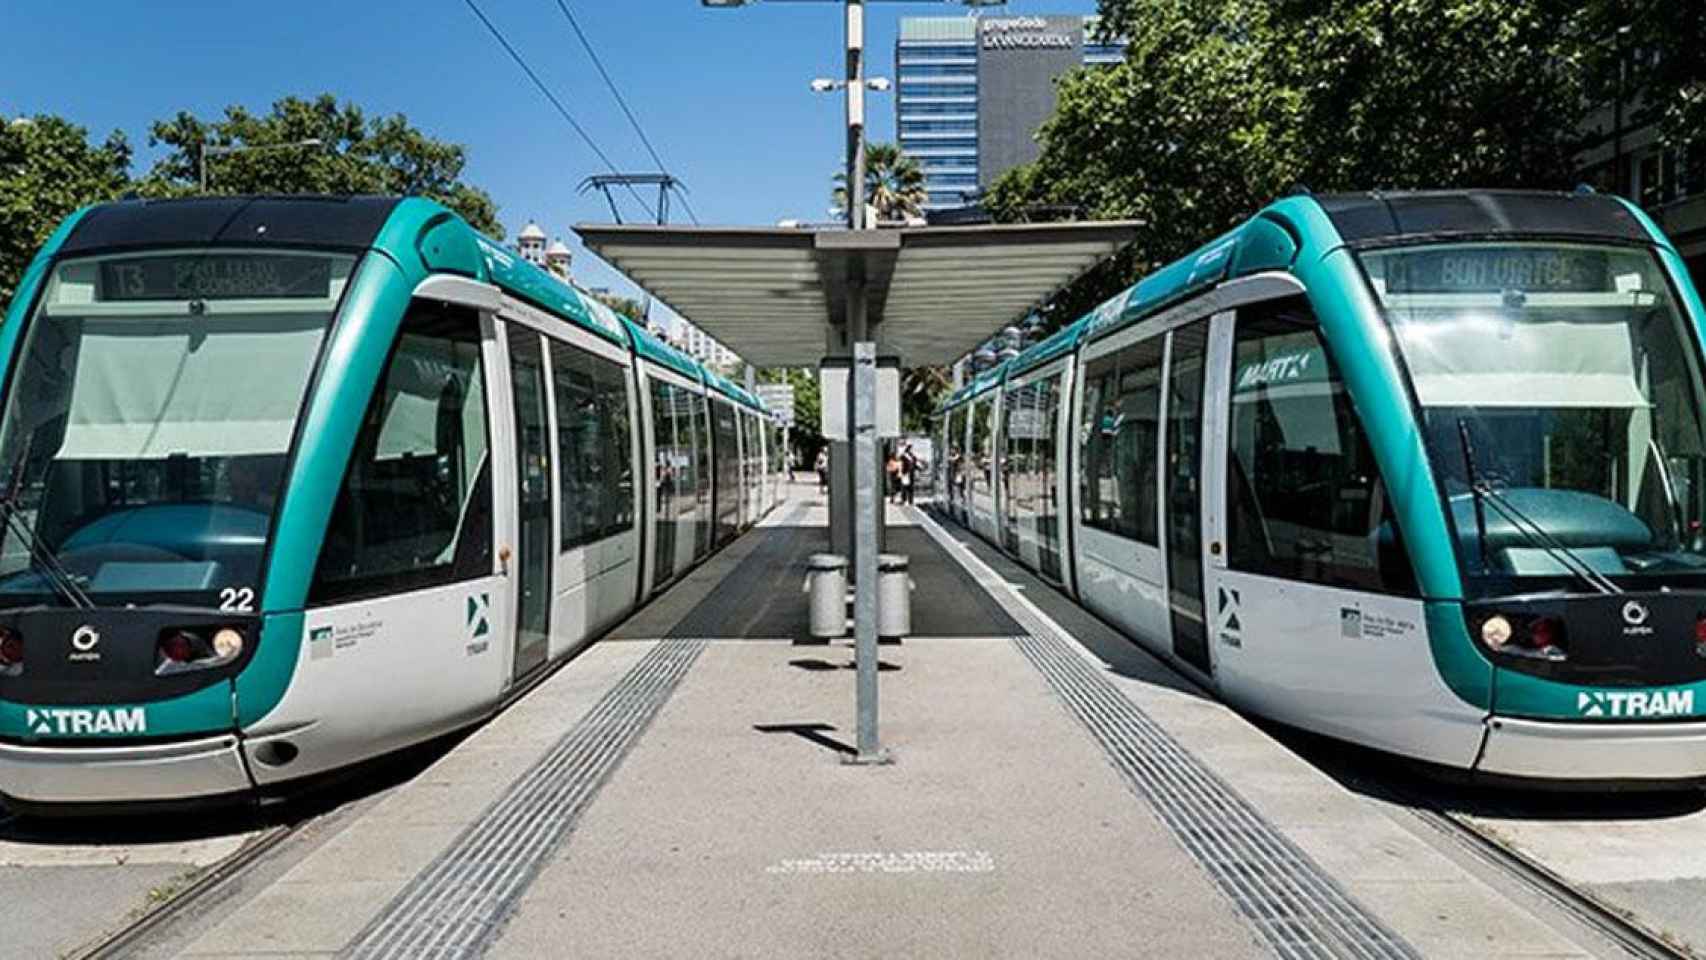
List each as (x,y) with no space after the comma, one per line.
(1422,471)
(293,482)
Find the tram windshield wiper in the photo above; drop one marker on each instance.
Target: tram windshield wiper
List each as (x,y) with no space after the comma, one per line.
(46,562)
(1485,495)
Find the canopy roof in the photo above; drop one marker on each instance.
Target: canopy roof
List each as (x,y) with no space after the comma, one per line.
(933,293)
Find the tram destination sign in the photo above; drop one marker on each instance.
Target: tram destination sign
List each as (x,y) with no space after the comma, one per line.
(1494,269)
(216,276)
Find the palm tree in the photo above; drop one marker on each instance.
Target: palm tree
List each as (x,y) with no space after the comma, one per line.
(894,183)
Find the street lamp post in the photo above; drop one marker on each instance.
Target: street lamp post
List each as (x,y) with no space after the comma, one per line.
(861,388)
(216,150)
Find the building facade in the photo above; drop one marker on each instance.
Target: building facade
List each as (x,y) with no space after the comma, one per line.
(972,91)
(704,348)
(1670,184)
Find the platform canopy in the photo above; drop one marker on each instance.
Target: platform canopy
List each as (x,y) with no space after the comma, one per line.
(933,293)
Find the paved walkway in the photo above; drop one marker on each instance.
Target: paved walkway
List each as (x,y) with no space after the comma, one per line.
(679,790)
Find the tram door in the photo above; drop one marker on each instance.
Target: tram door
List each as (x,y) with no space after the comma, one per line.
(530,567)
(1183,492)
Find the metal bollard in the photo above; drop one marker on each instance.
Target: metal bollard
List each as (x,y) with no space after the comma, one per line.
(826,581)
(894,596)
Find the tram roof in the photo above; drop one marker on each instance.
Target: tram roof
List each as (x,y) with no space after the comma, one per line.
(408,229)
(1275,237)
(777,295)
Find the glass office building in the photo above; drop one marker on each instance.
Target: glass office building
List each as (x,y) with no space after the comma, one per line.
(971,92)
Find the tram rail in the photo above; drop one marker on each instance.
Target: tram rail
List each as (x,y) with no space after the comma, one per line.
(1627,933)
(120,942)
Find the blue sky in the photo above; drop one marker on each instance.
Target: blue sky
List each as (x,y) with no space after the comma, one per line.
(722,93)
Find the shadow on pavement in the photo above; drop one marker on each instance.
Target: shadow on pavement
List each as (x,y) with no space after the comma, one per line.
(813,732)
(814,664)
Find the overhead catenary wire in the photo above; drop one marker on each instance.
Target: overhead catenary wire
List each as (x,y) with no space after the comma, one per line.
(622,102)
(540,84)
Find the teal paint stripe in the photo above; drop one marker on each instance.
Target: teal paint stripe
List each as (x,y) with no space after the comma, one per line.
(1361,345)
(1465,669)
(262,684)
(207,711)
(354,359)
(360,341)
(1524,696)
(1361,342)
(34,275)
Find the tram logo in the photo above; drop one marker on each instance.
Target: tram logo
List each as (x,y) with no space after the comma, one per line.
(83,643)
(1636,703)
(1635,613)
(479,609)
(82,722)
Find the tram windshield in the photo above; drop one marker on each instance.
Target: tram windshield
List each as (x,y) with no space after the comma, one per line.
(148,419)
(1560,390)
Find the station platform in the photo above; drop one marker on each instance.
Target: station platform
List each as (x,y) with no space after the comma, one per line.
(679,790)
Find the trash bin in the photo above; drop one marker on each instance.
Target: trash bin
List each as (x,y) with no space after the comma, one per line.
(894,596)
(826,581)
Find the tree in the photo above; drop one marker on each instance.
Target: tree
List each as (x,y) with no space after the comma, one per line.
(627,306)
(48,168)
(1223,105)
(358,154)
(1652,55)
(894,183)
(922,390)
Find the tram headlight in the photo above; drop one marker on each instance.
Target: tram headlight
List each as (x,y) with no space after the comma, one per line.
(1496,632)
(227,644)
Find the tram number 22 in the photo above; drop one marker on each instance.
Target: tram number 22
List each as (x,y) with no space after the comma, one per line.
(237,599)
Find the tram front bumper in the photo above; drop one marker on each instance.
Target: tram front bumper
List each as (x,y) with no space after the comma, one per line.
(183,770)
(1594,751)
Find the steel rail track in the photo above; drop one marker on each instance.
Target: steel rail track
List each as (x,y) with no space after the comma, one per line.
(119,942)
(1628,934)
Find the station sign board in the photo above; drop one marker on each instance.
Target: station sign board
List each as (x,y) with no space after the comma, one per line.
(779,397)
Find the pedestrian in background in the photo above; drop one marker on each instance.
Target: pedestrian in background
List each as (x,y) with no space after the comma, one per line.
(908,473)
(822,470)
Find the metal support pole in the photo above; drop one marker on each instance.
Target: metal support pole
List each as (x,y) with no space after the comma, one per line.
(856,115)
(867,503)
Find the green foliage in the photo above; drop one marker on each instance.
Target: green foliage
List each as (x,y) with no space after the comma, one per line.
(922,390)
(894,183)
(358,154)
(1222,105)
(1654,55)
(48,168)
(627,306)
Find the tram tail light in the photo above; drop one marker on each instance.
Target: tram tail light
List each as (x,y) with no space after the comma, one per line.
(181,649)
(11,650)
(1546,638)
(1700,634)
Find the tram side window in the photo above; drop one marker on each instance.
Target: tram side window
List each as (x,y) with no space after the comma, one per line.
(415,508)
(1119,478)
(593,445)
(1305,499)
(982,446)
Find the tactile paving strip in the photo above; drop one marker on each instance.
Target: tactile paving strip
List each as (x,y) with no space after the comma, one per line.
(457,906)
(1298,908)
